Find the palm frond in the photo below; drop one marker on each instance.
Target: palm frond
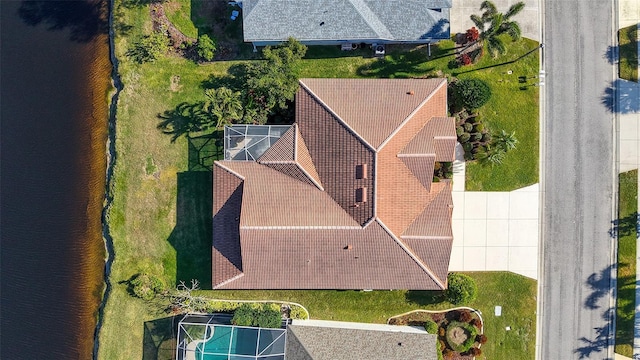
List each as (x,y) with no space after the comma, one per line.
(512,28)
(489,9)
(514,9)
(478,22)
(495,46)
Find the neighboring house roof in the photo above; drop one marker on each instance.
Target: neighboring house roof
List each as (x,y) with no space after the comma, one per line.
(344,199)
(345,20)
(330,343)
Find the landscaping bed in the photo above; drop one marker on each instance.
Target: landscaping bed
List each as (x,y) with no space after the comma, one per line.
(459,331)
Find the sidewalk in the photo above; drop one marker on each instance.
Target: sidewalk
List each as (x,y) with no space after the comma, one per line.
(493,231)
(628,105)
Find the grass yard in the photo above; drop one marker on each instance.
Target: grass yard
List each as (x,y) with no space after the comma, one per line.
(160,220)
(628,43)
(628,212)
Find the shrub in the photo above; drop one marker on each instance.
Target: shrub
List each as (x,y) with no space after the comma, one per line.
(461,289)
(459,130)
(478,127)
(221,306)
(442,331)
(439,348)
(471,93)
(468,127)
(465,60)
(146,286)
(472,34)
(476,136)
(475,351)
(266,315)
(206,47)
(298,313)
(149,47)
(465,316)
(431,327)
(438,317)
(482,339)
(476,322)
(448,354)
(464,138)
(486,137)
(468,343)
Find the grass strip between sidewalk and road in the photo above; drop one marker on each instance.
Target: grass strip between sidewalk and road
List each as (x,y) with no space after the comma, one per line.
(626,282)
(628,45)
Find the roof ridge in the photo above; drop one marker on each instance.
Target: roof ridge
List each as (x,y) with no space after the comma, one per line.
(371,19)
(415,258)
(443,81)
(340,120)
(220,164)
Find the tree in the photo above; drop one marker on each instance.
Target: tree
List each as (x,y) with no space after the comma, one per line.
(471,93)
(146,286)
(273,82)
(492,24)
(223,105)
(461,289)
(206,47)
(149,47)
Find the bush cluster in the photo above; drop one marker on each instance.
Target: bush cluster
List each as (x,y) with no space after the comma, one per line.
(431,327)
(472,134)
(468,343)
(265,315)
(297,313)
(146,286)
(470,93)
(461,289)
(442,170)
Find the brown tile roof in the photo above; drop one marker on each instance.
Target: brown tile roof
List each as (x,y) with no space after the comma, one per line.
(273,199)
(379,202)
(302,259)
(227,202)
(336,152)
(437,137)
(435,219)
(421,167)
(282,150)
(372,108)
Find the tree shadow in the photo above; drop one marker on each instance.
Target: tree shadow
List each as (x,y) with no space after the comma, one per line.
(424,297)
(622,97)
(84,19)
(439,31)
(628,225)
(600,285)
(192,236)
(235,79)
(182,120)
(160,338)
(396,65)
(204,150)
(500,64)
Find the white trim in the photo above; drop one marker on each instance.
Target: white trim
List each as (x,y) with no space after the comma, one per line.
(218,163)
(229,280)
(413,256)
(419,237)
(417,155)
(406,120)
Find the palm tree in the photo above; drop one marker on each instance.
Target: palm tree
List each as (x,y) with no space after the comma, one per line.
(505,140)
(223,106)
(492,24)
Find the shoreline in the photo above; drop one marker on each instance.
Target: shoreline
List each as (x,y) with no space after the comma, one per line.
(110,154)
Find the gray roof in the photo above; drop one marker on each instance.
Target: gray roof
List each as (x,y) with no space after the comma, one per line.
(348,20)
(327,343)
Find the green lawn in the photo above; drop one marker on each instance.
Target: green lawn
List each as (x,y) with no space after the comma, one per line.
(627,40)
(161,213)
(628,211)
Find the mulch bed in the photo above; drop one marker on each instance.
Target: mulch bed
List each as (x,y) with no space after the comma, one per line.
(442,319)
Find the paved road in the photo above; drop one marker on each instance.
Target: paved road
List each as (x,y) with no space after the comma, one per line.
(578,181)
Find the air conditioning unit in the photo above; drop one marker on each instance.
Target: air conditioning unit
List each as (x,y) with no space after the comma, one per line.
(378,50)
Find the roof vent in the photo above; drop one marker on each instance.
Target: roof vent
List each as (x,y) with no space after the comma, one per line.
(322,23)
(410,92)
(348,247)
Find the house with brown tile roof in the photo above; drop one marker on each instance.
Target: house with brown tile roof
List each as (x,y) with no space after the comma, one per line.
(345,198)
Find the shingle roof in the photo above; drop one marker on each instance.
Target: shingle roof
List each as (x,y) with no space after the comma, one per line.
(372,108)
(325,343)
(344,20)
(356,225)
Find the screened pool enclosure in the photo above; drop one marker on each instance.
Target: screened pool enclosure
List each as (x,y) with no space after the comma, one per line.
(201,337)
(249,142)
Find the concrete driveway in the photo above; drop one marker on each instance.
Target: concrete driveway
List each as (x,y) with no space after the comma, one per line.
(494,231)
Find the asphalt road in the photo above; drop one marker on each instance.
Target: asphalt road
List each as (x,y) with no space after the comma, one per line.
(578,182)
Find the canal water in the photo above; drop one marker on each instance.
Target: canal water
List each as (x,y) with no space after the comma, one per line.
(54,85)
